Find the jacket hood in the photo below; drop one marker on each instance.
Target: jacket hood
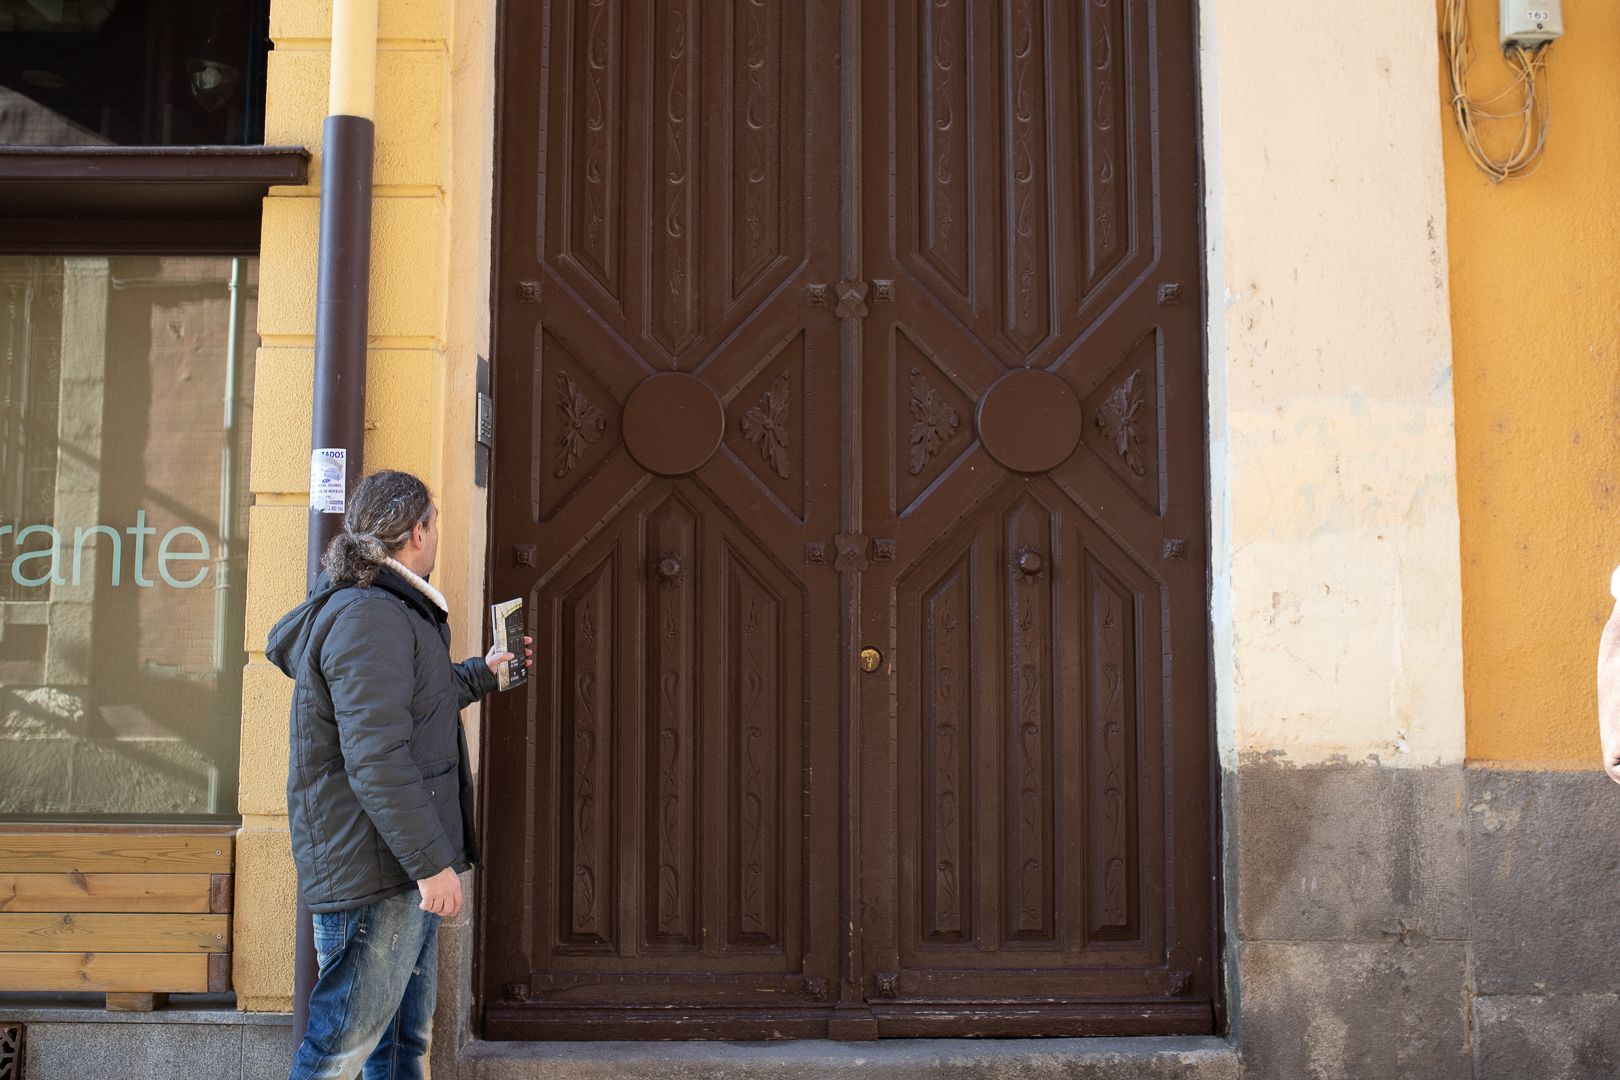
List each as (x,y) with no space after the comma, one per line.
(289,638)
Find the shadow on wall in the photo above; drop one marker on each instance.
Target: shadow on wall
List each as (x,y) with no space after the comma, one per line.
(66,752)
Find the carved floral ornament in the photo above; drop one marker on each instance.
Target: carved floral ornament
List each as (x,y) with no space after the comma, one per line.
(765,426)
(582,424)
(1117,420)
(934,422)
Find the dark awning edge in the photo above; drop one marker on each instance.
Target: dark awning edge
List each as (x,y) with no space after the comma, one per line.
(265,165)
(80,198)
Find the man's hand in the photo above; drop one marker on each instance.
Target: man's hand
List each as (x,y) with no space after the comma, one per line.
(494,658)
(1608,694)
(441,893)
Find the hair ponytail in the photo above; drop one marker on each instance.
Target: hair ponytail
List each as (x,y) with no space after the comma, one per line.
(384,510)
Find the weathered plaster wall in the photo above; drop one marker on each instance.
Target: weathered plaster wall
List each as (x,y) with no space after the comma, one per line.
(420,355)
(1336,596)
(1535,266)
(1335,557)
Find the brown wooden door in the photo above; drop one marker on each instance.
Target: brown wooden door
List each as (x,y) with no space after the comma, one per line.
(668,417)
(796,359)
(1037,737)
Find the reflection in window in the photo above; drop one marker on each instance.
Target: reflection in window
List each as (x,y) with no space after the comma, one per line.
(132,72)
(125,416)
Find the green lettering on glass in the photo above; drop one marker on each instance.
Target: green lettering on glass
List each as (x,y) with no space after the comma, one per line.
(53,575)
(165,555)
(83,537)
(140,532)
(80,535)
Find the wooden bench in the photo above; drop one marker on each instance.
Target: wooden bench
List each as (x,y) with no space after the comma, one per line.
(134,912)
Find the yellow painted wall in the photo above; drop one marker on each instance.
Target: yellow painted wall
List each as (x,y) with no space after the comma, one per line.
(1535,302)
(419,359)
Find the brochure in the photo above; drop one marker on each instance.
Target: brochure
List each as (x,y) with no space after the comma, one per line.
(506,620)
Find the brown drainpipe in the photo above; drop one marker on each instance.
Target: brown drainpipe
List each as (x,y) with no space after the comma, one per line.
(342,291)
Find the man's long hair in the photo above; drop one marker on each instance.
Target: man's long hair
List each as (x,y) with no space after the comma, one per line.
(384,509)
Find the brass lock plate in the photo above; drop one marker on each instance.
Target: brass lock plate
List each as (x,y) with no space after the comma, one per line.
(871,659)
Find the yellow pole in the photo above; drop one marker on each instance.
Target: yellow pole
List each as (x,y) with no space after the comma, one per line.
(354,59)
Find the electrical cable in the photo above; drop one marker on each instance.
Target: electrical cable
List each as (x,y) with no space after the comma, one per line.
(1530,79)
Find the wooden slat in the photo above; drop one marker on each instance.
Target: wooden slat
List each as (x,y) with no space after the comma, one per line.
(57,828)
(219,972)
(220,891)
(106,972)
(103,933)
(176,893)
(114,852)
(135,1002)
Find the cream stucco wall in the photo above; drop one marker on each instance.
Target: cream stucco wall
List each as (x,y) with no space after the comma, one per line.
(1336,600)
(427,325)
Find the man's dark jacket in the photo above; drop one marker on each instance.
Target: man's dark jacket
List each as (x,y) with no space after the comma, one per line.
(379,788)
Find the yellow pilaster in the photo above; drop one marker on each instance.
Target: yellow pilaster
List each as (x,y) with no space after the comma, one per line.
(404,394)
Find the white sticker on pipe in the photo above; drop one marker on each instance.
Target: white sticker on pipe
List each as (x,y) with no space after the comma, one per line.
(327,471)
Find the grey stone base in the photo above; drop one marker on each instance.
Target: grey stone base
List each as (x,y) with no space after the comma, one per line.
(1002,1059)
(1425,923)
(1545,854)
(1557,1038)
(1330,1010)
(173,1045)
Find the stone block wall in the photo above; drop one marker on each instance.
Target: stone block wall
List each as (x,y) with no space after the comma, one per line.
(1435,923)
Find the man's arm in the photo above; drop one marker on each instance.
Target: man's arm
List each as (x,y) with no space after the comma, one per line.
(1608,687)
(474,680)
(362,660)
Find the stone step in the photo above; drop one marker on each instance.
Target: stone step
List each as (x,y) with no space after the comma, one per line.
(1202,1058)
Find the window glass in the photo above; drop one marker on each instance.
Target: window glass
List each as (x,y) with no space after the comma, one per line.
(132,72)
(125,422)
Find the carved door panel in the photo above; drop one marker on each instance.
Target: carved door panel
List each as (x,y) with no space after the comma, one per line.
(1037,804)
(796,357)
(666,480)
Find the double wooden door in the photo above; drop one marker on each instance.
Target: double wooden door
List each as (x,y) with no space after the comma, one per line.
(850,458)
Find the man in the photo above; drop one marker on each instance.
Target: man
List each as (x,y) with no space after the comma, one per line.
(379,795)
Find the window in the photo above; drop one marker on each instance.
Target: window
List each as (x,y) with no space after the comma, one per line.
(125,421)
(132,72)
(131,185)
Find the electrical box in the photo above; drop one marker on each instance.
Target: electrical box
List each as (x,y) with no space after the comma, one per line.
(1530,24)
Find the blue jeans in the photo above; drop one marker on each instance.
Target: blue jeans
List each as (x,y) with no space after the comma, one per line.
(373,999)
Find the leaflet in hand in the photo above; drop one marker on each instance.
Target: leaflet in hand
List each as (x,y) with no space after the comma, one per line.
(506,620)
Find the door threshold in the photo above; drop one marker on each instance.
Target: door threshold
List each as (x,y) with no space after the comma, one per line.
(1204,1057)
